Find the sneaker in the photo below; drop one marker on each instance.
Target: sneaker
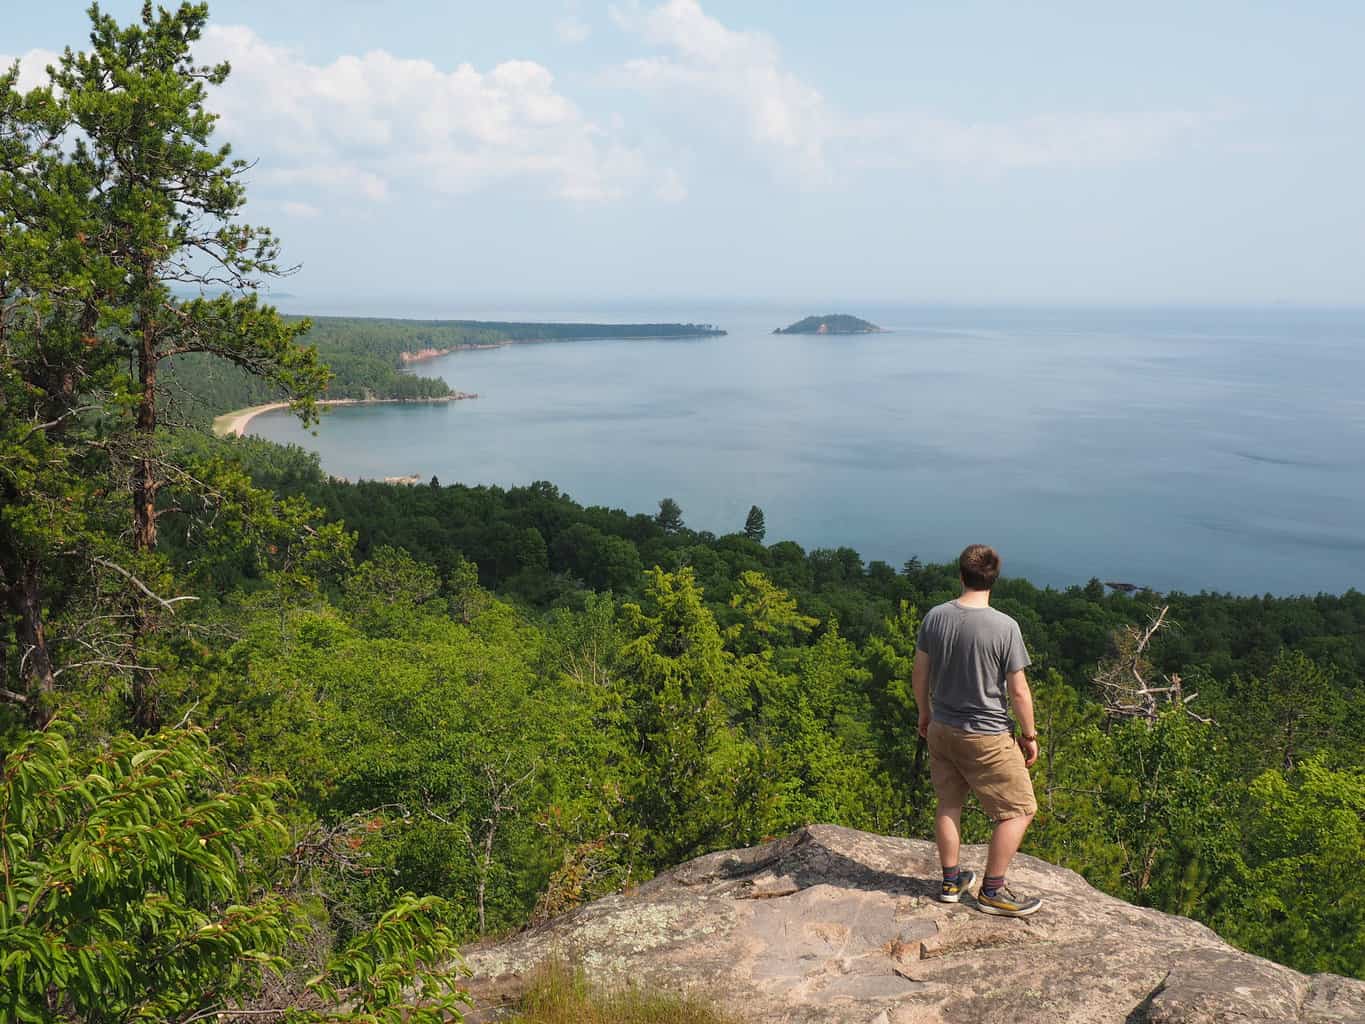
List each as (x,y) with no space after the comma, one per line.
(1006,904)
(952,893)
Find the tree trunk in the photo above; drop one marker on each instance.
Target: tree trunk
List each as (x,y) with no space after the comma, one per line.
(145,714)
(483,873)
(143,704)
(1148,863)
(144,474)
(36,672)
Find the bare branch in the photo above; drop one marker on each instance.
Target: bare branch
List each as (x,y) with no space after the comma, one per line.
(1123,680)
(110,663)
(167,603)
(188,711)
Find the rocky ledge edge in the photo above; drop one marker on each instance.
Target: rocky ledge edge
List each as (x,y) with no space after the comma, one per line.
(833,924)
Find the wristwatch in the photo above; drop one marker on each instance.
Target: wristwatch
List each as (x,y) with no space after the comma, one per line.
(1033,738)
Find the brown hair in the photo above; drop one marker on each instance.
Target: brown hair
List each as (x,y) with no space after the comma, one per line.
(979,566)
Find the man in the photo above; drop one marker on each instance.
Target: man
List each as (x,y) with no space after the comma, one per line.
(971,659)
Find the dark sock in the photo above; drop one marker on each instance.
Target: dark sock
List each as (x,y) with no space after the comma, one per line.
(992,885)
(951,875)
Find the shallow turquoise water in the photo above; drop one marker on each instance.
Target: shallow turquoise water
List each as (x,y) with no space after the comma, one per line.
(1220,450)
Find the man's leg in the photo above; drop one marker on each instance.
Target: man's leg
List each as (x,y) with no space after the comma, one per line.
(1002,783)
(1005,842)
(948,834)
(950,787)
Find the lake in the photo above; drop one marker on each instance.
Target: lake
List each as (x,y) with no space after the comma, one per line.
(1177,449)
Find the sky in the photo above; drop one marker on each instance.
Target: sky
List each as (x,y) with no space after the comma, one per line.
(465,155)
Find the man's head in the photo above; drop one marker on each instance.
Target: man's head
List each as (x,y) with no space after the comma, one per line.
(979,566)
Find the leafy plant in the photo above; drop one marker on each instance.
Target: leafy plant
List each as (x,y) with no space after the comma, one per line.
(140,885)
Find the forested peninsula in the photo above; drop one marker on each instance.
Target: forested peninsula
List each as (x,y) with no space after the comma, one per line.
(276,744)
(367,358)
(830,323)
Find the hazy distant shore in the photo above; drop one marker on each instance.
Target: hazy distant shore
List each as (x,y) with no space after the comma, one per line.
(234,424)
(422,355)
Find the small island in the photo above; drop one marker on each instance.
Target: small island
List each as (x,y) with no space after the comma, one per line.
(830,323)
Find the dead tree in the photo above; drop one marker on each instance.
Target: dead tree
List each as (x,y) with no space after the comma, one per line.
(1129,684)
(480,833)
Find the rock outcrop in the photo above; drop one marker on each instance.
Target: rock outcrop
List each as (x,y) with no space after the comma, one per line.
(834,925)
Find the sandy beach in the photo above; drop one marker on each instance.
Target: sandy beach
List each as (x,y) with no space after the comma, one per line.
(234,424)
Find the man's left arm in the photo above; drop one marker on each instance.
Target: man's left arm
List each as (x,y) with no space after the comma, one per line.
(1021,703)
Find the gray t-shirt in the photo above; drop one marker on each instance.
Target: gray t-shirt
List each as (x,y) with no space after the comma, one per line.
(971,651)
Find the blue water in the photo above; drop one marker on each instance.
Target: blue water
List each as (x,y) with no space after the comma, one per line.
(1220,450)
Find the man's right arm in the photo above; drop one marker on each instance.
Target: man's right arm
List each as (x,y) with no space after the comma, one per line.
(919,679)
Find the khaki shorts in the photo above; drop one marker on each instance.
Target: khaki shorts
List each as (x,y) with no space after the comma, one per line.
(991,765)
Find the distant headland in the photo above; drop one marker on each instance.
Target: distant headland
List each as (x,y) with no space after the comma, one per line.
(496,334)
(372,360)
(830,323)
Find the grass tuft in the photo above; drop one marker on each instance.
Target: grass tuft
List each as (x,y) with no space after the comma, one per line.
(559,994)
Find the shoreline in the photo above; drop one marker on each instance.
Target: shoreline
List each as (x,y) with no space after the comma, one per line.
(235,423)
(423,355)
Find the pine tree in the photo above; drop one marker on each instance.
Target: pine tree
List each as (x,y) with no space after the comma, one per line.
(163,207)
(670,516)
(110,194)
(754,527)
(690,786)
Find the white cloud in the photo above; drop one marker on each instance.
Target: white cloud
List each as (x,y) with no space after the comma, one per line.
(741,71)
(572,29)
(374,125)
(32,67)
(301,210)
(714,73)
(329,177)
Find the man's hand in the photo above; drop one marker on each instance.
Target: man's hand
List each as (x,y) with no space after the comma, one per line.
(1030,749)
(925,717)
